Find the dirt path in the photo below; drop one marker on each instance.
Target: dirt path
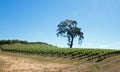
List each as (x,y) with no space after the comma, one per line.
(28,65)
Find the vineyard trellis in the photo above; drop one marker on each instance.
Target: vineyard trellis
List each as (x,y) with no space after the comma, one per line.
(79,53)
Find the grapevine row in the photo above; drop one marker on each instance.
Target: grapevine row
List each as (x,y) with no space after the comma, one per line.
(79,53)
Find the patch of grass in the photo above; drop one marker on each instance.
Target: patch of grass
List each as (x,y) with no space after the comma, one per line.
(46,59)
(96,66)
(45,50)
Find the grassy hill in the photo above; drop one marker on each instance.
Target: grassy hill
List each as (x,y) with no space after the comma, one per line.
(45,58)
(16,55)
(72,53)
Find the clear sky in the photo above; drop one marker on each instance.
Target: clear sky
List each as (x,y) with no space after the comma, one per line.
(37,20)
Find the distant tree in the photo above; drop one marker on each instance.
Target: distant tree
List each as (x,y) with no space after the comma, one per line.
(9,42)
(2,42)
(23,42)
(69,29)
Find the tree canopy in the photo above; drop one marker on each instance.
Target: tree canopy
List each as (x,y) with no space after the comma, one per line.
(15,41)
(69,29)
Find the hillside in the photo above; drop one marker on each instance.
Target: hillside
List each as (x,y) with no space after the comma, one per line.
(46,58)
(73,53)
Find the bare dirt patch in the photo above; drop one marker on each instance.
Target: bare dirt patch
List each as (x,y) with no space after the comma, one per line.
(18,64)
(28,65)
(15,62)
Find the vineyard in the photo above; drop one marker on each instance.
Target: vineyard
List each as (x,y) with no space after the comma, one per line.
(72,53)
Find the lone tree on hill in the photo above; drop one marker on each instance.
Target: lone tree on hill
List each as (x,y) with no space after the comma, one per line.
(69,29)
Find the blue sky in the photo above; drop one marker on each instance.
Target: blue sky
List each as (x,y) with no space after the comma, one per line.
(37,20)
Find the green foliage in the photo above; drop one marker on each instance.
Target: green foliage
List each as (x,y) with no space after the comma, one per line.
(10,42)
(79,53)
(69,29)
(2,42)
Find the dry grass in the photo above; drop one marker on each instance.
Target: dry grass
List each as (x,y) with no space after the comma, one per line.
(28,65)
(1,65)
(18,62)
(111,64)
(15,62)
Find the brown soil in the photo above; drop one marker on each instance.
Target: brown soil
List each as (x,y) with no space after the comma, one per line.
(13,64)
(24,63)
(27,65)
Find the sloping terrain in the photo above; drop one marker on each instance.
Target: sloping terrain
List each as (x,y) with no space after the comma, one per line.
(45,58)
(16,62)
(27,65)
(23,63)
(73,53)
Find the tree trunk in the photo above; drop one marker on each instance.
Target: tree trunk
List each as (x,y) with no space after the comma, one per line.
(71,44)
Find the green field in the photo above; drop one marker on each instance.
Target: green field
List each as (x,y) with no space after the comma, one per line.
(72,53)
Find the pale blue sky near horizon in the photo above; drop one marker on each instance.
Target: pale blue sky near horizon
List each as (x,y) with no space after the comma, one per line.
(37,20)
